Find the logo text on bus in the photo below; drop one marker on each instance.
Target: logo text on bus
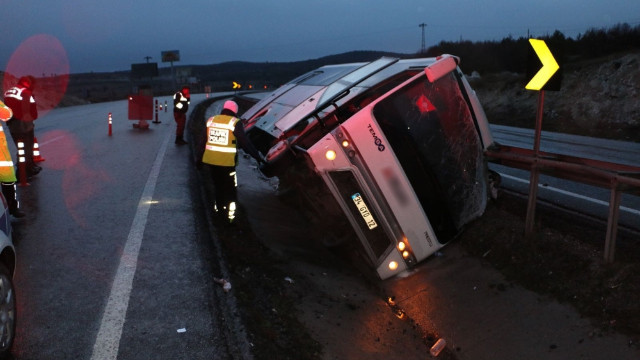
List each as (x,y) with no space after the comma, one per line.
(376,139)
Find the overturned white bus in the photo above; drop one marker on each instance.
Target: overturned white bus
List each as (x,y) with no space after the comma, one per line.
(392,149)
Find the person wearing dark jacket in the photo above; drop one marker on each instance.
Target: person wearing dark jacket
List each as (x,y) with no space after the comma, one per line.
(181,101)
(21,101)
(224,133)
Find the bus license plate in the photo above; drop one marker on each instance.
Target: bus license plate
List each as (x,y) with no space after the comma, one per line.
(364,211)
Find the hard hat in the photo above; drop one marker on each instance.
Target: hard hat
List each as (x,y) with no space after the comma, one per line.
(231,105)
(27,81)
(5,112)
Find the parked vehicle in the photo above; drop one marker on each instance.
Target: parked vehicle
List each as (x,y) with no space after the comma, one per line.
(7,292)
(392,149)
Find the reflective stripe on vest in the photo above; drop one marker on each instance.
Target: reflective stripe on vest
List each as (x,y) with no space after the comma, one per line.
(16,93)
(221,143)
(223,149)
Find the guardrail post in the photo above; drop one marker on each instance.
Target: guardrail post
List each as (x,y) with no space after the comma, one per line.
(533,198)
(612,223)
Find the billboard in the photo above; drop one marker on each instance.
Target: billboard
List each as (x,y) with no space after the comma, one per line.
(144,70)
(170,56)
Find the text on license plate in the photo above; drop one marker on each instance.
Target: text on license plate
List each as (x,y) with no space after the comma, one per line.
(364,211)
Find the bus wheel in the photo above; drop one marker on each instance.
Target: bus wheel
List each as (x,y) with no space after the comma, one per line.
(7,312)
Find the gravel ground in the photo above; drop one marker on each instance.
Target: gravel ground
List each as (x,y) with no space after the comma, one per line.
(302,301)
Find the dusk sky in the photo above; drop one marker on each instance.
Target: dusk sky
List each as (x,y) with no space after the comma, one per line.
(110,35)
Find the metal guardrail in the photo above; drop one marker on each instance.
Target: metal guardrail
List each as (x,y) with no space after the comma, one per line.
(618,178)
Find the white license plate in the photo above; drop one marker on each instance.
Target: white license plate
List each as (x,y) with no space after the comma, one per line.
(364,211)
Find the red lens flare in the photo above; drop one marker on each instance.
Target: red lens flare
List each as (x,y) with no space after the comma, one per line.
(43,57)
(80,182)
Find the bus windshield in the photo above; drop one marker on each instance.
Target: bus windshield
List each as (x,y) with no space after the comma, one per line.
(433,136)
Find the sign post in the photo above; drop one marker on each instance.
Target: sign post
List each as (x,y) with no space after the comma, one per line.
(171,56)
(544,74)
(534,176)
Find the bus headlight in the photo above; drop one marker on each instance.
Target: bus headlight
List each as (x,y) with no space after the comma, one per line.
(402,246)
(405,250)
(393,265)
(330,155)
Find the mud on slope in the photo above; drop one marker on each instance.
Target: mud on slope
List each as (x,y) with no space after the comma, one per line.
(599,97)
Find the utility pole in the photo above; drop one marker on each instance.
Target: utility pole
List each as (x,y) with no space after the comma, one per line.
(422,49)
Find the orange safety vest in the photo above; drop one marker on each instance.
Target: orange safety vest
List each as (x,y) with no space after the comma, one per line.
(221,143)
(7,172)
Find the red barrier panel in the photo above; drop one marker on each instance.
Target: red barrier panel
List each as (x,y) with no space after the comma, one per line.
(140,107)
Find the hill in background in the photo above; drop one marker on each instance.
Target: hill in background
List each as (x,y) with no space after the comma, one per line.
(599,98)
(97,87)
(600,94)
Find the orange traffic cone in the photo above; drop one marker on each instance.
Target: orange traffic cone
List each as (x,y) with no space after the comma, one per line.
(36,151)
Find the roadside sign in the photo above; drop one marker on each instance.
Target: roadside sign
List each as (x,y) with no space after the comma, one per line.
(236,85)
(543,69)
(170,56)
(144,70)
(547,77)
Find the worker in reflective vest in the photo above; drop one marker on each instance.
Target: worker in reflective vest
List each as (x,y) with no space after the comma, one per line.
(224,133)
(21,101)
(7,171)
(181,101)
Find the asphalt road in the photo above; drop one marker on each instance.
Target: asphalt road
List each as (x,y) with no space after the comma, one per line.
(589,200)
(114,257)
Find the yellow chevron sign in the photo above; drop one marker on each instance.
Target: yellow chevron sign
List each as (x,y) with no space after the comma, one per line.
(549,65)
(236,85)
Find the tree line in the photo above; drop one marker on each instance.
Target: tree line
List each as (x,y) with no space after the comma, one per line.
(508,54)
(511,54)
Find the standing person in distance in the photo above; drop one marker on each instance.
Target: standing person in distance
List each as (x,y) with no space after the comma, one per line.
(21,101)
(7,171)
(181,101)
(224,132)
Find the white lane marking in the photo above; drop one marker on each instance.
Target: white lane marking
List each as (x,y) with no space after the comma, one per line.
(568,193)
(50,140)
(108,339)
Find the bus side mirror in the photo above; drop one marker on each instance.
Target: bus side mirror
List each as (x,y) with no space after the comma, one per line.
(444,64)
